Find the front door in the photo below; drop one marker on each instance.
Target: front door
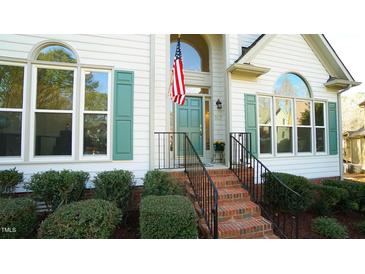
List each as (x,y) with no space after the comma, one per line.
(190,120)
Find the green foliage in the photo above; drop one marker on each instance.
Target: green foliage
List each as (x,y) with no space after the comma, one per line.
(11,86)
(56,188)
(9,179)
(327,198)
(361,227)
(356,199)
(160,183)
(88,219)
(18,215)
(329,228)
(283,200)
(167,217)
(115,185)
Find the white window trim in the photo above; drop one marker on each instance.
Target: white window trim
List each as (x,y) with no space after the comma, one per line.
(15,159)
(303,126)
(325,152)
(51,158)
(107,156)
(265,155)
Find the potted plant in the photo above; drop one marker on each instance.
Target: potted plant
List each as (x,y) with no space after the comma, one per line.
(219,146)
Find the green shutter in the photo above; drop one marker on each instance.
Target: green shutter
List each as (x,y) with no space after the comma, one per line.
(123,115)
(332,128)
(251,120)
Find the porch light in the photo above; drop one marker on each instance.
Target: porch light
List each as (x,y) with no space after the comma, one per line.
(219,104)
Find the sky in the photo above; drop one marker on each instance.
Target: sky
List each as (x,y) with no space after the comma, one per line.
(350,48)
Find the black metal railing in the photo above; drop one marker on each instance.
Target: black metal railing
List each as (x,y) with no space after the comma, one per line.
(265,188)
(170,150)
(205,191)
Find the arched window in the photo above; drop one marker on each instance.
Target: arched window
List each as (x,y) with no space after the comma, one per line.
(290,84)
(288,118)
(191,57)
(56,53)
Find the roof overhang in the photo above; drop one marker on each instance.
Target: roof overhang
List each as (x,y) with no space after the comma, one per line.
(247,70)
(341,83)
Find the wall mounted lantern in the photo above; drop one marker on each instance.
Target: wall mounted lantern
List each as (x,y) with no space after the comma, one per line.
(219,104)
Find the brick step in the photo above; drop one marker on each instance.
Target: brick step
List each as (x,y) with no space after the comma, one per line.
(225,181)
(238,210)
(248,228)
(269,236)
(222,171)
(232,194)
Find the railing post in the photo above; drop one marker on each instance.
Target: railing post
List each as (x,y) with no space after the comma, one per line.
(215,215)
(185,152)
(230,151)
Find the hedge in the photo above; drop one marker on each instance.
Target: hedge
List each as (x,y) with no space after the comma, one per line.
(56,188)
(9,179)
(329,228)
(160,183)
(89,219)
(18,217)
(282,199)
(167,217)
(115,186)
(327,198)
(361,227)
(356,199)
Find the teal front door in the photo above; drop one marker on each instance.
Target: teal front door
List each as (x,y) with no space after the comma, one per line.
(190,120)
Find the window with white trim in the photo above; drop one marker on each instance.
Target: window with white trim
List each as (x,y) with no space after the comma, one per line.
(12,79)
(265,124)
(303,115)
(320,126)
(95,112)
(284,125)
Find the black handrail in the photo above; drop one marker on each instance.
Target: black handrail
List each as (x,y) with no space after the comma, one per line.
(257,178)
(205,191)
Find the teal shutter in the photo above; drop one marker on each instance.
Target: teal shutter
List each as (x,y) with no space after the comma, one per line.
(332,128)
(251,120)
(123,115)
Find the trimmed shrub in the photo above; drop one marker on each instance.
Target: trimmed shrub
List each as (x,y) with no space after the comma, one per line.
(167,217)
(115,186)
(361,227)
(281,199)
(327,198)
(9,179)
(18,217)
(356,198)
(56,188)
(329,228)
(160,183)
(89,219)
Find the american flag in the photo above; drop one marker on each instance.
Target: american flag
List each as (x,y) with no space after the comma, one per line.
(178,84)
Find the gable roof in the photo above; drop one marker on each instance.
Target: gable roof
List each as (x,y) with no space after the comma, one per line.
(321,48)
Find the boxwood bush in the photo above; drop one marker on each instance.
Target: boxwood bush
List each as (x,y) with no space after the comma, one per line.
(167,217)
(356,198)
(56,188)
(9,179)
(329,228)
(88,219)
(327,198)
(18,217)
(115,186)
(279,198)
(160,183)
(361,227)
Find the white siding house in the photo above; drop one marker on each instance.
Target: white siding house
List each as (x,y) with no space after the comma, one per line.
(228,68)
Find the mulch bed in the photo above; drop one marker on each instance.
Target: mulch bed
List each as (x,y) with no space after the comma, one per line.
(129,228)
(349,219)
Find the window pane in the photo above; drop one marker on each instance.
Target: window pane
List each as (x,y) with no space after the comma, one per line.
(57,53)
(304,139)
(11,86)
(265,139)
(264,111)
(284,139)
(53,133)
(320,139)
(10,133)
(207,126)
(290,84)
(195,90)
(319,114)
(303,113)
(95,134)
(192,60)
(96,91)
(283,112)
(54,88)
